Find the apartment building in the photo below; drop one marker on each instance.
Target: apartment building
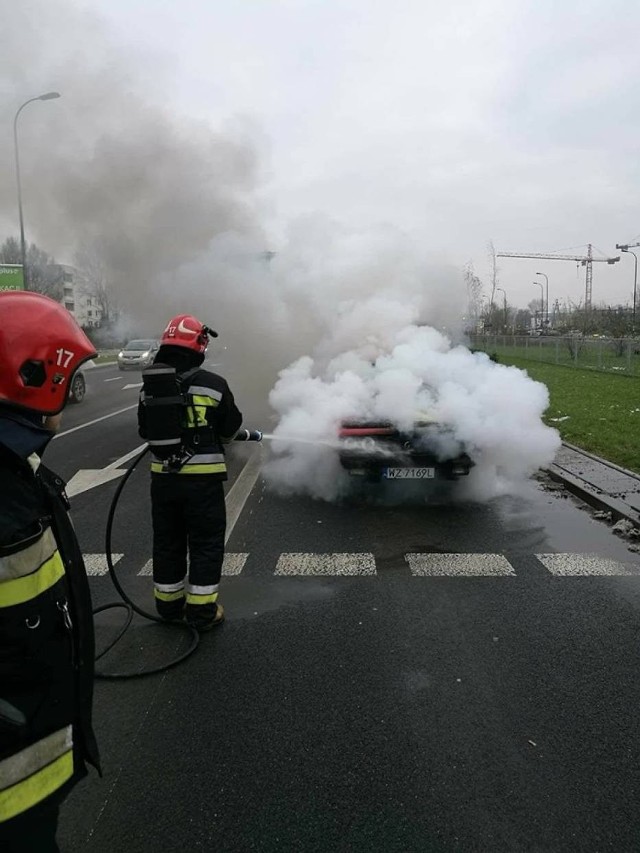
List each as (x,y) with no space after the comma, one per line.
(77,298)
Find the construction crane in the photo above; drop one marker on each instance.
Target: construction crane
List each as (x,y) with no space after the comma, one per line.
(584,260)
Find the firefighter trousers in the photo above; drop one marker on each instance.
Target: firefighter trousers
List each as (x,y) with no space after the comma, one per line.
(189,521)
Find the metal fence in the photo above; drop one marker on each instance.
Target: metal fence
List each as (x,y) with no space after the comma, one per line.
(608,355)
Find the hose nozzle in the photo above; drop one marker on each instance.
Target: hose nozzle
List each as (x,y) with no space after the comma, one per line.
(249,435)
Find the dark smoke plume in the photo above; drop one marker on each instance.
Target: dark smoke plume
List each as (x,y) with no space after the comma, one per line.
(109,168)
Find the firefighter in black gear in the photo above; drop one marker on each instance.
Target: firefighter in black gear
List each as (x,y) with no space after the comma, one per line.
(187,493)
(46,624)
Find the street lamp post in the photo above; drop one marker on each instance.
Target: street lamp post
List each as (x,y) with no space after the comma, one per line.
(48,96)
(545,312)
(635,283)
(504,296)
(541,286)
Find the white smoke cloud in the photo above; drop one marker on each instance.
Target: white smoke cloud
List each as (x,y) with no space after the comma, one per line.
(399,371)
(176,212)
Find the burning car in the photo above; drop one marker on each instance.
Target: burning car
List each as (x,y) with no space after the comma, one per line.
(378,450)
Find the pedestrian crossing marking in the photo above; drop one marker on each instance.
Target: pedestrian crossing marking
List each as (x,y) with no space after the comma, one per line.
(232,564)
(459,565)
(326,564)
(419,564)
(96,564)
(585,565)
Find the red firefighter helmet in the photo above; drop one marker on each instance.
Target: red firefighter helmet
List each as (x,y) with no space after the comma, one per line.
(187,331)
(41,347)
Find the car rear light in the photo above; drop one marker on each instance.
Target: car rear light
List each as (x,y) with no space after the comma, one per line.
(359,432)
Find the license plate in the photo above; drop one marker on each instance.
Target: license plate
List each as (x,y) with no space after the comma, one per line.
(409,473)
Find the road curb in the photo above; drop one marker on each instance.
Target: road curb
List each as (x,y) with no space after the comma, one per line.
(602,461)
(598,500)
(590,493)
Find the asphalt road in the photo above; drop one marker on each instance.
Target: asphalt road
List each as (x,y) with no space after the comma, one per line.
(415,678)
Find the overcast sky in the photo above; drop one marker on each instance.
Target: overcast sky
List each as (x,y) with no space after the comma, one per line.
(515,121)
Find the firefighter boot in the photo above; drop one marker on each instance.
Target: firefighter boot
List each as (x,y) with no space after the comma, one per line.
(171,611)
(204,617)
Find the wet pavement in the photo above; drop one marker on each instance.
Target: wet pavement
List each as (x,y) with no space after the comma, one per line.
(599,483)
(463,683)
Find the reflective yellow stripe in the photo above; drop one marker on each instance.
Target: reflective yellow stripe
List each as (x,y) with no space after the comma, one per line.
(32,774)
(25,588)
(26,794)
(23,764)
(201,400)
(197,410)
(168,596)
(24,560)
(202,599)
(215,468)
(204,391)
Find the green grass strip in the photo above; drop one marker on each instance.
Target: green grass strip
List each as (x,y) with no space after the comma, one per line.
(598,412)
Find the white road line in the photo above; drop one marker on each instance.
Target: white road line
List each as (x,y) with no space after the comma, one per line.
(459,565)
(90,478)
(585,565)
(147,569)
(125,458)
(421,565)
(241,489)
(133,385)
(96,564)
(326,564)
(113,379)
(96,421)
(233,564)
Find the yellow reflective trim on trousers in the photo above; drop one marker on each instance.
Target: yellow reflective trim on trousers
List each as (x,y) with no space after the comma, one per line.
(205,468)
(202,599)
(30,791)
(23,589)
(168,596)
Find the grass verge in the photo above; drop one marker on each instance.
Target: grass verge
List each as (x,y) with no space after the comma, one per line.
(106,356)
(598,412)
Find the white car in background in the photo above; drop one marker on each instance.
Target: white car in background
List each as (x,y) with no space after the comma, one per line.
(138,354)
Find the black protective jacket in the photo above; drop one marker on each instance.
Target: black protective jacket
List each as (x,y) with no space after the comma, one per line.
(211,419)
(46,641)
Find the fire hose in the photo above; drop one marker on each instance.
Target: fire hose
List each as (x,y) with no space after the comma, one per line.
(130,606)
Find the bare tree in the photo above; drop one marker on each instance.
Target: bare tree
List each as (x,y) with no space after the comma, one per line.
(494,276)
(43,274)
(474,293)
(94,277)
(10,251)
(522,319)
